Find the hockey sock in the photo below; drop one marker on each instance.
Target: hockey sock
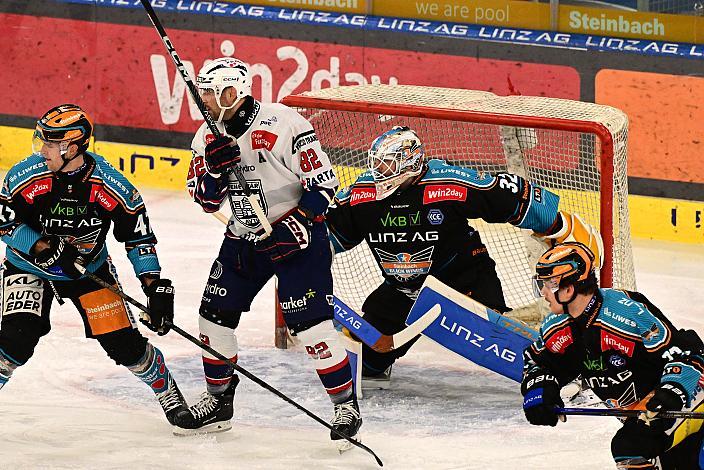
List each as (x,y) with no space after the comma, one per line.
(218,373)
(152,370)
(322,343)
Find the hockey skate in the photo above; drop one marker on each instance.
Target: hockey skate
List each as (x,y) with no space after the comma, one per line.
(377,381)
(172,401)
(212,413)
(347,420)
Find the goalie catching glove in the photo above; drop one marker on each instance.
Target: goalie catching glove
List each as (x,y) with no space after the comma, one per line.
(290,235)
(160,300)
(573,228)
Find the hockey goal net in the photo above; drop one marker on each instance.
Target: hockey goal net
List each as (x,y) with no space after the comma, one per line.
(575,149)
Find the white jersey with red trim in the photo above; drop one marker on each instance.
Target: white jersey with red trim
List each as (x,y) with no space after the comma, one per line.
(281,159)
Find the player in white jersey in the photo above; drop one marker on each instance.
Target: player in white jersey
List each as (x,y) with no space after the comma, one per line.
(293,180)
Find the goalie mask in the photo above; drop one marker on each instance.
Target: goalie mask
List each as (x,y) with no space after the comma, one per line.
(222,73)
(394,157)
(63,125)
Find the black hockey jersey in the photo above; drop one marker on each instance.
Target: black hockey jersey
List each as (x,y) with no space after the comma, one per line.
(424,230)
(621,345)
(78,207)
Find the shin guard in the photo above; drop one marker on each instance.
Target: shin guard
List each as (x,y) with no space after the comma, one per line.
(323,345)
(7,366)
(218,373)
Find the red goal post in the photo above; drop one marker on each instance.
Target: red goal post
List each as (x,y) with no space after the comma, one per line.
(575,149)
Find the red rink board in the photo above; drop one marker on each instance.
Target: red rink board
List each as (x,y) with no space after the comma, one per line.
(117,71)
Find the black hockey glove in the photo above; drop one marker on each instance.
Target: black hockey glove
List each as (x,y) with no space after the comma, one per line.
(667,397)
(541,395)
(639,441)
(220,155)
(160,300)
(59,257)
(290,235)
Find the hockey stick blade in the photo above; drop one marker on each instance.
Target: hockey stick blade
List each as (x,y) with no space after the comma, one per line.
(369,335)
(234,365)
(417,327)
(619,412)
(271,389)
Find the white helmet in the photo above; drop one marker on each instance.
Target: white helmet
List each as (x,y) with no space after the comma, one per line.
(225,72)
(395,156)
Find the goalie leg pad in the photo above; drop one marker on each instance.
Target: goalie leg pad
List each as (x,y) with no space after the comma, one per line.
(223,339)
(467,332)
(323,345)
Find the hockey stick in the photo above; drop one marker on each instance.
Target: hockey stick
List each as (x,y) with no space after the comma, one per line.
(210,122)
(618,412)
(232,364)
(371,336)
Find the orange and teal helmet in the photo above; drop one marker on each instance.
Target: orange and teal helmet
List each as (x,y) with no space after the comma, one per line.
(569,262)
(66,124)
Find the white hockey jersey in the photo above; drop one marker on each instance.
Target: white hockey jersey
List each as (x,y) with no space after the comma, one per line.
(281,158)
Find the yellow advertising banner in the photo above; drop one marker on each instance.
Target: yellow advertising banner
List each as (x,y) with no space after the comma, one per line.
(666,219)
(15,144)
(626,24)
(510,13)
(146,166)
(166,168)
(517,14)
(338,6)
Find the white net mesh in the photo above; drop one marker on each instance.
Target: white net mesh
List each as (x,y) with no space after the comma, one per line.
(559,144)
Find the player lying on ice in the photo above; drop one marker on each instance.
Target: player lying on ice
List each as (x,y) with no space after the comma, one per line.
(293,180)
(626,351)
(56,209)
(434,199)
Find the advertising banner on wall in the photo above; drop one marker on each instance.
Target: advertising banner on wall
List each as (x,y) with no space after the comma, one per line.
(518,14)
(338,6)
(122,75)
(631,24)
(511,13)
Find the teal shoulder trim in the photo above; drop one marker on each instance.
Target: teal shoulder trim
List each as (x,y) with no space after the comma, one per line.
(440,171)
(552,321)
(117,183)
(25,170)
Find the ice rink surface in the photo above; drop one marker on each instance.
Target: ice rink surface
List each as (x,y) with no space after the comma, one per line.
(71,407)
